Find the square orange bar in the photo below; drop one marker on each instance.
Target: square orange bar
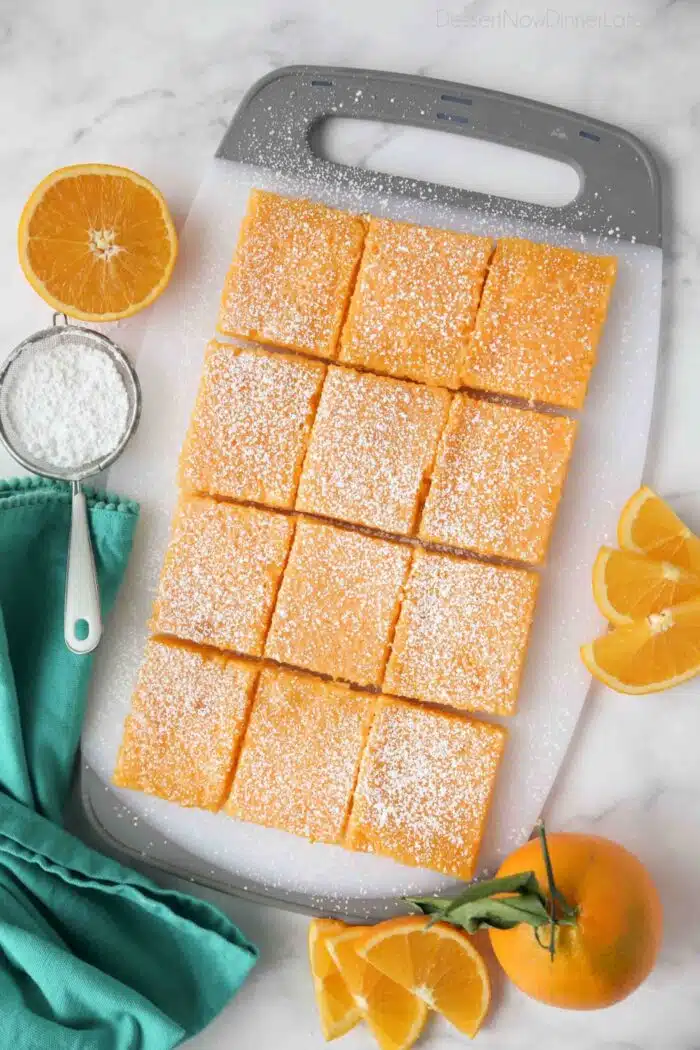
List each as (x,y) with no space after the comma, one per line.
(300,756)
(291,275)
(497,480)
(251,424)
(539,322)
(220,574)
(182,736)
(372,446)
(415,301)
(424,788)
(462,634)
(338,603)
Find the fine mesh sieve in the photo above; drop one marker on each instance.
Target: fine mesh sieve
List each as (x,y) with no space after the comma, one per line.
(83,621)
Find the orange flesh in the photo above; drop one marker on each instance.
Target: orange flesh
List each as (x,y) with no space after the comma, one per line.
(628,586)
(97,245)
(395,1016)
(649,655)
(440,965)
(336,1007)
(649,526)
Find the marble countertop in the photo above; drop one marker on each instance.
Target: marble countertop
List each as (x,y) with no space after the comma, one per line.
(152,86)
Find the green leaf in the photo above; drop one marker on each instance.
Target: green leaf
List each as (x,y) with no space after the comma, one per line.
(523,883)
(429,905)
(501,912)
(503,903)
(482,904)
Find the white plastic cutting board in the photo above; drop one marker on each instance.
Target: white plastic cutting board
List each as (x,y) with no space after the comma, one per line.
(606,468)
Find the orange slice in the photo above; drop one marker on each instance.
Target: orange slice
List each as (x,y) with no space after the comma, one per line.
(337,1008)
(648,655)
(97,242)
(648,526)
(395,1016)
(628,586)
(439,965)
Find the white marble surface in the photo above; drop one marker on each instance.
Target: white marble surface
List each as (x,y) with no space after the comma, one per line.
(152,86)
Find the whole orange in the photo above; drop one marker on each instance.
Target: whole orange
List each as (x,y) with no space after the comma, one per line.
(614,943)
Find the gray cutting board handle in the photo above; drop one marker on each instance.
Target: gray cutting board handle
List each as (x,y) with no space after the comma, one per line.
(620,193)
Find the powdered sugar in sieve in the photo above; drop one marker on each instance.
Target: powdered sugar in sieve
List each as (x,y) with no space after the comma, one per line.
(69,402)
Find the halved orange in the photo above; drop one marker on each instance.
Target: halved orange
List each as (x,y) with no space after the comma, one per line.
(97,242)
(438,964)
(648,526)
(336,1006)
(628,586)
(651,654)
(395,1016)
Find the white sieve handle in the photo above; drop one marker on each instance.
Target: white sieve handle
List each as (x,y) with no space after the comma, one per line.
(82,591)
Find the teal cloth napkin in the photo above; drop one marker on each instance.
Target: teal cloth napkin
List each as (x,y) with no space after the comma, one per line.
(93,956)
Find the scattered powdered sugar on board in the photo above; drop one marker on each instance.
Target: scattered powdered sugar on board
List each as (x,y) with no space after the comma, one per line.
(66,404)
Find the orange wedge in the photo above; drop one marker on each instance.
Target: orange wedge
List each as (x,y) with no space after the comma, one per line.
(438,964)
(648,655)
(396,1017)
(336,1006)
(628,586)
(97,242)
(648,526)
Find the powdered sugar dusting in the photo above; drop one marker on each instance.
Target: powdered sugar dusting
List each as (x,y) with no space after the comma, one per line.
(249,858)
(301,754)
(539,322)
(250,425)
(220,574)
(497,479)
(462,633)
(188,713)
(415,301)
(292,273)
(424,788)
(372,445)
(65,403)
(337,603)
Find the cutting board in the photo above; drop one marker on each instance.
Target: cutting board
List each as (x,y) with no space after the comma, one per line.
(270,144)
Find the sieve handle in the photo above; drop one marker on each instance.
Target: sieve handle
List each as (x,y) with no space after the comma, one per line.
(82,591)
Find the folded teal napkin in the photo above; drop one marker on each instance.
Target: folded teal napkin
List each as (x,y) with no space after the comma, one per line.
(92,955)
